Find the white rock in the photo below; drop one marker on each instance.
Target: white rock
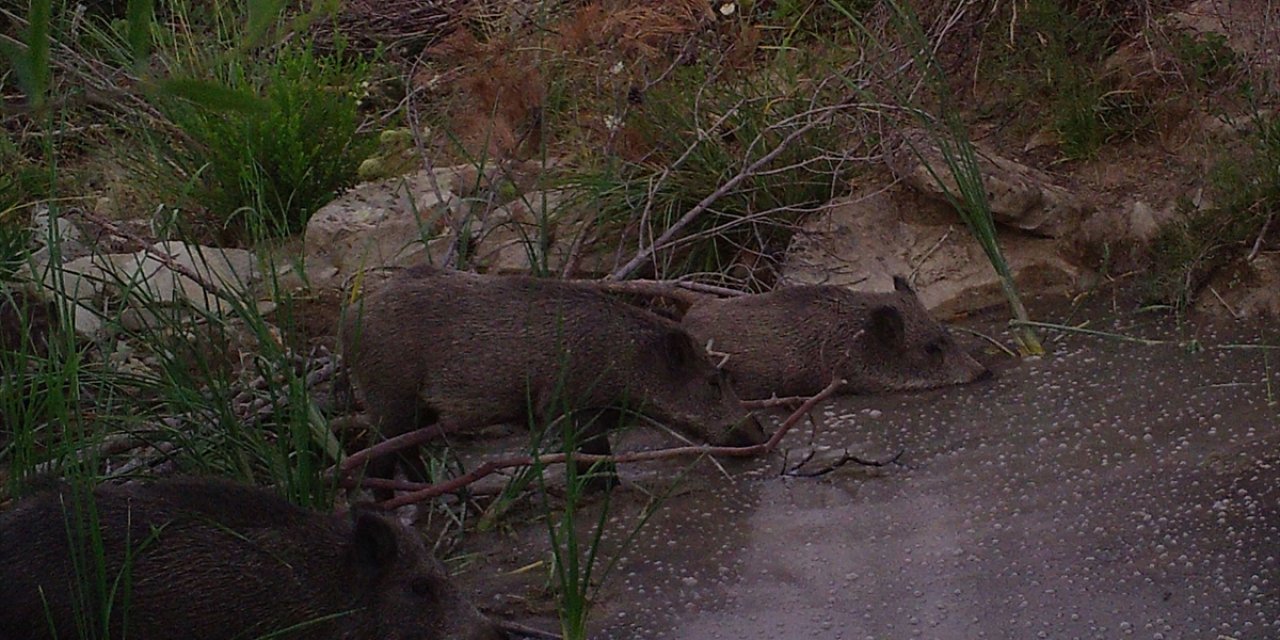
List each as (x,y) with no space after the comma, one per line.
(862,242)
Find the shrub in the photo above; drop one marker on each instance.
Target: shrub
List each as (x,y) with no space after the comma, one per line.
(268,167)
(694,133)
(1246,191)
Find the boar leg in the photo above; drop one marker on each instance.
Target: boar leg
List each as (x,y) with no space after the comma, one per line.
(593,427)
(396,415)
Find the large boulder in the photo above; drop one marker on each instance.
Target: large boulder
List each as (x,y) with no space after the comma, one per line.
(506,224)
(863,241)
(393,222)
(133,288)
(1020,197)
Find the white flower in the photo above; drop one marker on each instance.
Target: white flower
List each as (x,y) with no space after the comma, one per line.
(616,68)
(728,8)
(612,122)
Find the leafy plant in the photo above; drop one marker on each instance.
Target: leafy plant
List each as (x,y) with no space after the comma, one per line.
(1246,190)
(276,141)
(1207,55)
(1048,53)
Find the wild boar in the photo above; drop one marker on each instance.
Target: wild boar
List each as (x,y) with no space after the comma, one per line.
(473,351)
(214,560)
(793,341)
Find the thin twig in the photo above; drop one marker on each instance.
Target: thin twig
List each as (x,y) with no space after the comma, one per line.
(1010,352)
(1224,304)
(391,445)
(774,402)
(163,257)
(678,226)
(840,462)
(1257,244)
(527,632)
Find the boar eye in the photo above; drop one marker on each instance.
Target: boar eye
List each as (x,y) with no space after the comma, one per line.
(933,348)
(422,587)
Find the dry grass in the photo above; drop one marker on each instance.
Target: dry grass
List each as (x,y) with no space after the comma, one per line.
(496,85)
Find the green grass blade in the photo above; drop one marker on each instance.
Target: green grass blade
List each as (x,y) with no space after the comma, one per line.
(213,95)
(262,14)
(32,65)
(139,15)
(38,50)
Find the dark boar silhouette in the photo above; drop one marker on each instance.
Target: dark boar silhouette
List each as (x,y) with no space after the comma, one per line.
(473,351)
(204,559)
(793,341)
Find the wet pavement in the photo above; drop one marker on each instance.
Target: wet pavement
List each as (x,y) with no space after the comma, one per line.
(1110,490)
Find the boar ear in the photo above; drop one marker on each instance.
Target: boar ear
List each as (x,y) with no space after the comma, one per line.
(373,538)
(886,326)
(678,349)
(900,284)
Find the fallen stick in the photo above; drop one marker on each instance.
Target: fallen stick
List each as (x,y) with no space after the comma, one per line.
(391,445)
(162,256)
(771,403)
(840,462)
(490,466)
(524,631)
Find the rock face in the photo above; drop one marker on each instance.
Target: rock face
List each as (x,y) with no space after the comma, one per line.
(863,241)
(146,284)
(490,219)
(1020,196)
(911,229)
(390,222)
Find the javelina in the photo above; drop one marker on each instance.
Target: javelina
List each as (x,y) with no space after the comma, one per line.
(216,560)
(476,350)
(793,341)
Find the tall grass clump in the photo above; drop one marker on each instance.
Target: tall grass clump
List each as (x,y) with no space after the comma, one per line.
(579,565)
(15,238)
(269,130)
(275,140)
(1050,54)
(233,390)
(573,560)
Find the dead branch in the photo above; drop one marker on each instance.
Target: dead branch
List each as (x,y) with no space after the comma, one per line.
(686,292)
(167,260)
(678,226)
(774,402)
(665,289)
(844,459)
(490,466)
(111,445)
(523,631)
(1257,244)
(392,445)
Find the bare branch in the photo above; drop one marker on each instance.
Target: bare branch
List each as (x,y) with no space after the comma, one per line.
(678,226)
(490,466)
(167,260)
